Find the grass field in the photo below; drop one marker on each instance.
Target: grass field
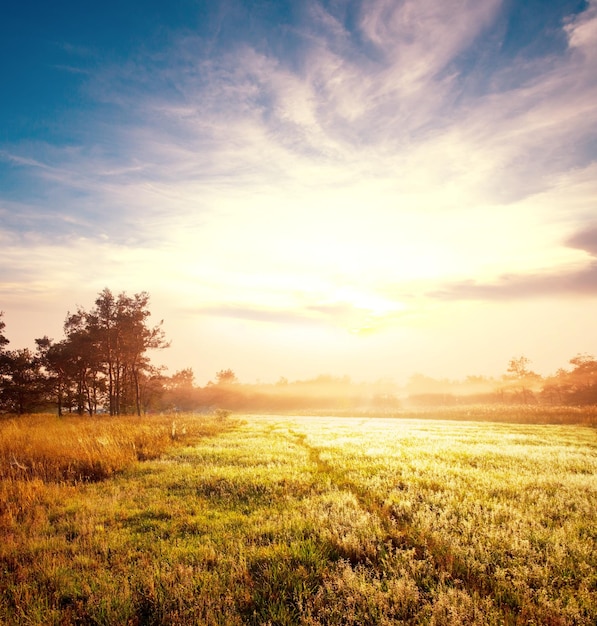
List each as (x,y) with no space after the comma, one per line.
(282,520)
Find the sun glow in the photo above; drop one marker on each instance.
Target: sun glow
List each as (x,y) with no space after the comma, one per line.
(365,313)
(281,189)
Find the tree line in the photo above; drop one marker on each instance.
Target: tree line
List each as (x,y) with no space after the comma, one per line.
(575,385)
(102,366)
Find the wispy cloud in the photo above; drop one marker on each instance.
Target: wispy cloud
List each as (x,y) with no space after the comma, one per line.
(366,155)
(256,314)
(419,39)
(560,283)
(585,240)
(252,116)
(512,287)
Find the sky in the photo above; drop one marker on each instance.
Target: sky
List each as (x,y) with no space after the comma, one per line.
(369,188)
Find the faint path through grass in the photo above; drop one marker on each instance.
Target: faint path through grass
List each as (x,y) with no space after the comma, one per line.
(396,534)
(489,475)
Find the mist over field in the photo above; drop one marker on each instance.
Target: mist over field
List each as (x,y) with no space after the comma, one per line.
(103,366)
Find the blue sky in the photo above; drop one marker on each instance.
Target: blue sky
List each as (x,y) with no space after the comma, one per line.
(363,187)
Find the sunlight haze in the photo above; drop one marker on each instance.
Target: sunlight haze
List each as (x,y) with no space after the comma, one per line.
(368,188)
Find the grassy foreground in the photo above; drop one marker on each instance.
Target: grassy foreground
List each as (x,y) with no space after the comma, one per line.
(312,521)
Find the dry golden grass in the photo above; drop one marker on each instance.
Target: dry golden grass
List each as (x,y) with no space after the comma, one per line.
(506,413)
(74,449)
(38,451)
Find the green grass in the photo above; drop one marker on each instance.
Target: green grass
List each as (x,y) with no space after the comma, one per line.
(281,520)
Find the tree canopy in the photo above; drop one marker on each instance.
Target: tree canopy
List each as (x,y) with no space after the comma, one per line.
(101,365)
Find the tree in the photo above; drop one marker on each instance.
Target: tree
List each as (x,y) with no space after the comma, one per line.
(85,369)
(519,373)
(138,338)
(226,377)
(102,360)
(4,361)
(583,379)
(180,390)
(55,369)
(100,324)
(73,371)
(152,388)
(226,393)
(556,389)
(23,383)
(118,327)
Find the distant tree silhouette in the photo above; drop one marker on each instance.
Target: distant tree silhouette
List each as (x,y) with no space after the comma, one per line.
(226,377)
(582,380)
(519,373)
(102,363)
(180,393)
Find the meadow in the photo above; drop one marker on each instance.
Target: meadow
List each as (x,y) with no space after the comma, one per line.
(296,520)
